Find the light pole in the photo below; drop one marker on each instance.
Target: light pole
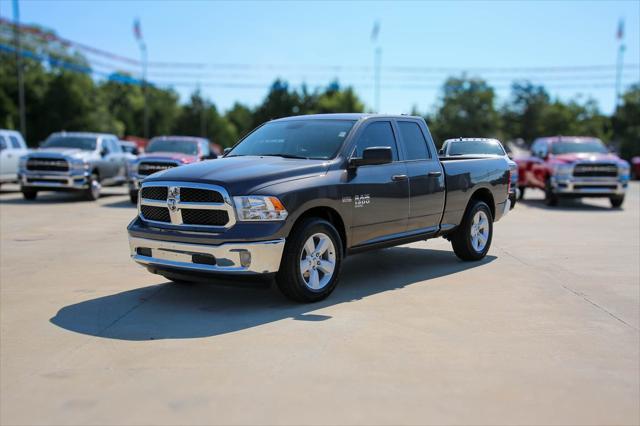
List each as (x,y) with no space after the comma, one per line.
(621,47)
(143,54)
(19,69)
(376,66)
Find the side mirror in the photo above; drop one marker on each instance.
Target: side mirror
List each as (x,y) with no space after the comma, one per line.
(103,152)
(441,152)
(372,156)
(226,151)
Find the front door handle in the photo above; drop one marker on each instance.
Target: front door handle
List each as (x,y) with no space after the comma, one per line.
(434,174)
(396,178)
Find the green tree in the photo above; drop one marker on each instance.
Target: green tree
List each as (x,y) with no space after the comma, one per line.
(241,117)
(626,123)
(200,118)
(522,115)
(466,110)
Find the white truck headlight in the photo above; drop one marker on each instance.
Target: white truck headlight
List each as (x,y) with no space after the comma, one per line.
(563,169)
(624,169)
(132,167)
(79,165)
(22,163)
(259,208)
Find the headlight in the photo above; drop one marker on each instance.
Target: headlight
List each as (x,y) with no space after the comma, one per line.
(79,165)
(624,169)
(257,207)
(22,163)
(563,169)
(132,167)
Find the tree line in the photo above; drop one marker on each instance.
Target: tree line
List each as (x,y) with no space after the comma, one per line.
(59,98)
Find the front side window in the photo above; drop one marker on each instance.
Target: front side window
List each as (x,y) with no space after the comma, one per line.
(575,147)
(310,139)
(414,142)
(3,143)
(15,143)
(83,143)
(476,148)
(377,134)
(173,145)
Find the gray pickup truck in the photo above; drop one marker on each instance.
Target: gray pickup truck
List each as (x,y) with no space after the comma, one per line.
(73,161)
(298,194)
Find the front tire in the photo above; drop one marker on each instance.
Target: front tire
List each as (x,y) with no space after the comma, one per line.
(521,195)
(29,194)
(550,197)
(472,239)
(616,201)
(92,193)
(311,261)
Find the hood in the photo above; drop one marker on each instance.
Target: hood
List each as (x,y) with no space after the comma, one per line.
(586,156)
(64,152)
(243,175)
(184,158)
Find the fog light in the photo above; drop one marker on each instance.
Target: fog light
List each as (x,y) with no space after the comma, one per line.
(144,251)
(245,258)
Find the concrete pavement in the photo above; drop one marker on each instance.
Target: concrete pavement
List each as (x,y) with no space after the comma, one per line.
(545,330)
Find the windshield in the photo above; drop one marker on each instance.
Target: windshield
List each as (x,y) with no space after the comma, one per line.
(85,144)
(313,139)
(476,148)
(173,145)
(593,145)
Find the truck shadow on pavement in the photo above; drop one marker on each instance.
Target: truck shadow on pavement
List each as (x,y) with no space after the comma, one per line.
(172,311)
(569,205)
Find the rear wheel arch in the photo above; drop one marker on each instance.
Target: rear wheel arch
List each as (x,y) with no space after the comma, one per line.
(483,194)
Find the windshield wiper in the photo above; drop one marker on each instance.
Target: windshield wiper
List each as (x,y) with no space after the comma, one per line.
(285,156)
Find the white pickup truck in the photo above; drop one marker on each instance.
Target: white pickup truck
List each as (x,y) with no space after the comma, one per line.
(12,147)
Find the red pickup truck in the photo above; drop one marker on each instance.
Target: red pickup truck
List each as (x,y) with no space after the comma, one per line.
(573,167)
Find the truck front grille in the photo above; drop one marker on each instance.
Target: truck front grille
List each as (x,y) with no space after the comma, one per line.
(146,168)
(186,204)
(157,214)
(595,170)
(205,217)
(42,164)
(155,193)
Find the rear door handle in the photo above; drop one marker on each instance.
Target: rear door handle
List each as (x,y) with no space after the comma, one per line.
(434,174)
(398,177)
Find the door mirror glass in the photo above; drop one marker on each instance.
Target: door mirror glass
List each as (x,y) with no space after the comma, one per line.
(373,155)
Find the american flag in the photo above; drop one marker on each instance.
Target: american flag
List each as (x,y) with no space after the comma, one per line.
(137,32)
(620,33)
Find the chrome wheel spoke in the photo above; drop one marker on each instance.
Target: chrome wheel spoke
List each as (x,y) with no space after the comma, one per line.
(305,265)
(309,246)
(326,267)
(314,279)
(323,245)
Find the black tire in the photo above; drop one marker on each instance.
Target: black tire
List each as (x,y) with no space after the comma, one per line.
(29,194)
(550,197)
(461,240)
(616,201)
(521,188)
(133,196)
(290,279)
(92,193)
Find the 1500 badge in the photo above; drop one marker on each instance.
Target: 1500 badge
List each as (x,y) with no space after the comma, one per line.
(362,200)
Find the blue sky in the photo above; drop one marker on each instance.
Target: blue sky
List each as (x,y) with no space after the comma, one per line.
(316,42)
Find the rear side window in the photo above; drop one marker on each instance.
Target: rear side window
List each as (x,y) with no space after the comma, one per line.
(379,133)
(3,143)
(414,141)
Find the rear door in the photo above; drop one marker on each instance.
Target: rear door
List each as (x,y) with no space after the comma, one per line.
(379,193)
(5,157)
(426,178)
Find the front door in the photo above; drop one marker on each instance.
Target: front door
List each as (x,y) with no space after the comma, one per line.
(379,193)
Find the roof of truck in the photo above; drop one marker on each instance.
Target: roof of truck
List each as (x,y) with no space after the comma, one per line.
(345,116)
(83,134)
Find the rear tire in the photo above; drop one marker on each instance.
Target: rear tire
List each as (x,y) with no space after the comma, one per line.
(29,194)
(550,197)
(616,201)
(521,195)
(133,196)
(92,193)
(472,239)
(311,261)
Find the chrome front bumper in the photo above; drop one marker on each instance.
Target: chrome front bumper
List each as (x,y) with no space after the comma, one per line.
(53,181)
(261,257)
(587,186)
